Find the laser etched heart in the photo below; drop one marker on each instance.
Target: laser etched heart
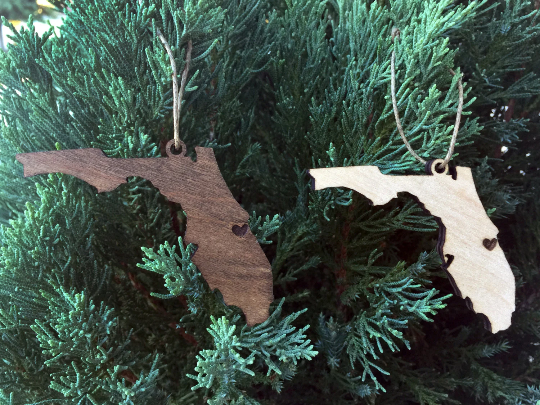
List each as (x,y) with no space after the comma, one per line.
(490,244)
(240,231)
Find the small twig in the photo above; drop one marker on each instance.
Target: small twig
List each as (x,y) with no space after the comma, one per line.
(395,35)
(177,98)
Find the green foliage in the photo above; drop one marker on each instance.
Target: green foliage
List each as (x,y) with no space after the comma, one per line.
(100,301)
(17,10)
(262,230)
(183,280)
(275,342)
(393,301)
(278,344)
(532,397)
(498,200)
(56,240)
(88,365)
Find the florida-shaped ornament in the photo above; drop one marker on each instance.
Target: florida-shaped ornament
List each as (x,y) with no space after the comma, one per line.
(228,254)
(467,244)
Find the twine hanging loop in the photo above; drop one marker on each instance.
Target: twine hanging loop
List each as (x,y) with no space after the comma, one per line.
(395,35)
(179,146)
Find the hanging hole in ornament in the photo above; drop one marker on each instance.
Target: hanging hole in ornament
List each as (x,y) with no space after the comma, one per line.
(175,151)
(171,150)
(435,166)
(439,169)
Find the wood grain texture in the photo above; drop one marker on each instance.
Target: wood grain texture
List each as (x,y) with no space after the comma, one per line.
(468,244)
(228,255)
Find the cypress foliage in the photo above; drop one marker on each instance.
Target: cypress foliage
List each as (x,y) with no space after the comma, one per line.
(100,302)
(15,10)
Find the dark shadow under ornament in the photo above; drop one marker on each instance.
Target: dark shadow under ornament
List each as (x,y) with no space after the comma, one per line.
(228,256)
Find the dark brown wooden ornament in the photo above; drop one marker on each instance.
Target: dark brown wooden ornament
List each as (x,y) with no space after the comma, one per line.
(228,255)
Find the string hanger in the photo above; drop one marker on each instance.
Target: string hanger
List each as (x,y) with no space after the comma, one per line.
(179,146)
(395,35)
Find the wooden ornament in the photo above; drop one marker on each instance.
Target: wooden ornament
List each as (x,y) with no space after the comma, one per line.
(468,246)
(228,254)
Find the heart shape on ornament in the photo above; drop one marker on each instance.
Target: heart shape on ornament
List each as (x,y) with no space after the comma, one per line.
(490,244)
(240,231)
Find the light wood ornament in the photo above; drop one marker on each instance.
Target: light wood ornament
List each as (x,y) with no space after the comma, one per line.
(228,255)
(468,246)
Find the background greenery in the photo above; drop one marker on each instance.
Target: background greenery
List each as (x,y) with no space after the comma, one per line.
(99,300)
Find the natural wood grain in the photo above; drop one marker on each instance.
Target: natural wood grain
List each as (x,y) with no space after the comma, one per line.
(478,269)
(231,261)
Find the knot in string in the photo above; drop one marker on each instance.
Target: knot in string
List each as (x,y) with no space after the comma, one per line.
(395,35)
